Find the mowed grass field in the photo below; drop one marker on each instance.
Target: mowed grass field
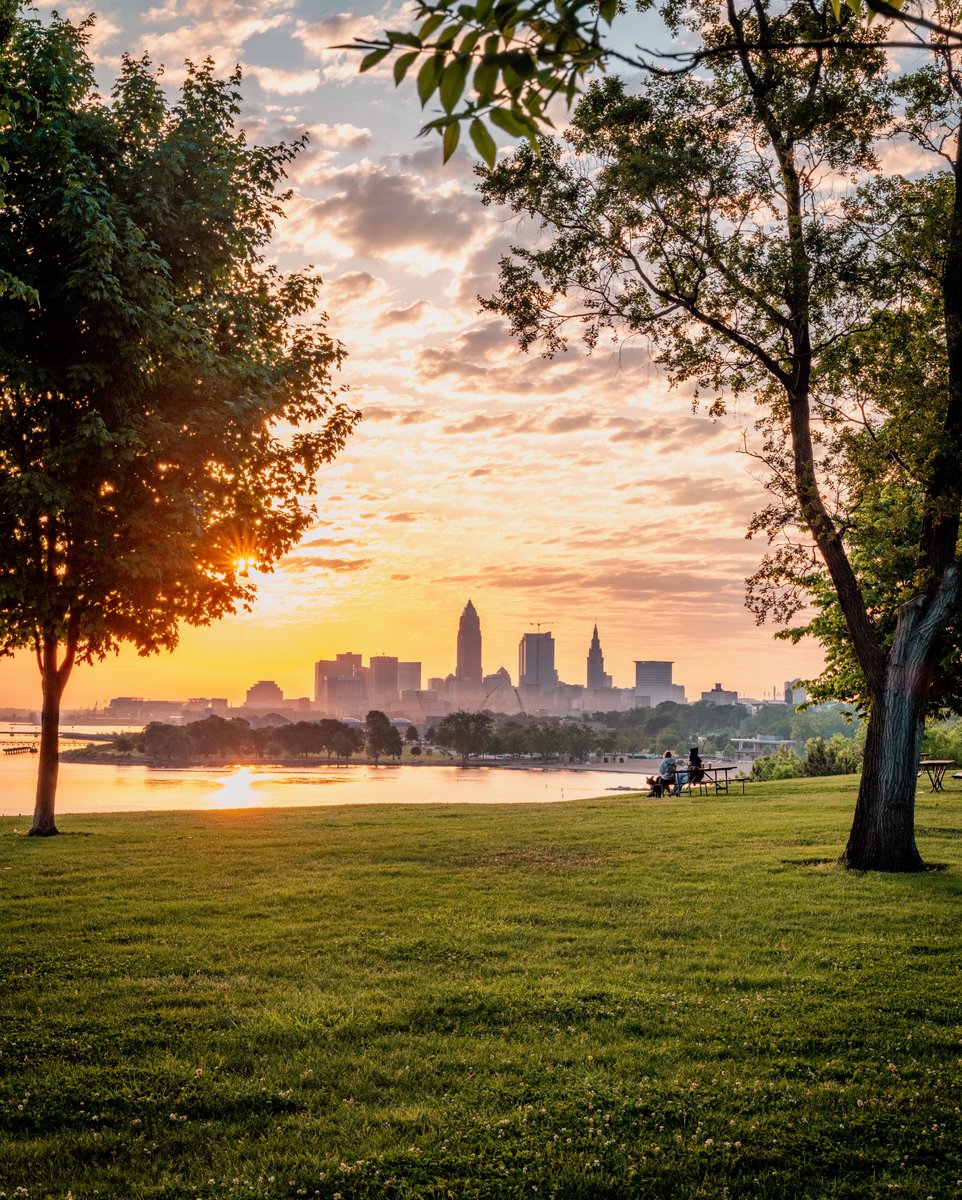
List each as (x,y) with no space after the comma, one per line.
(611,998)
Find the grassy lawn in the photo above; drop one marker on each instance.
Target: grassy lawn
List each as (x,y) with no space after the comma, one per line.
(611,998)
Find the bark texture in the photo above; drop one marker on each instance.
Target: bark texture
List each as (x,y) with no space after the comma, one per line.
(53,680)
(883,830)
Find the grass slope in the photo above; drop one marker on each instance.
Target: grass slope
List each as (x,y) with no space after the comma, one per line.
(612,998)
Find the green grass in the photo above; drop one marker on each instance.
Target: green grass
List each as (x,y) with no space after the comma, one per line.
(611,998)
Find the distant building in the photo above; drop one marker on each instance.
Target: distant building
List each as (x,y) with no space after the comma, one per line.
(795,694)
(137,709)
(347,696)
(653,683)
(748,749)
(265,694)
(409,676)
(597,679)
(345,666)
(199,707)
(384,681)
(469,647)
(498,692)
(718,695)
(536,669)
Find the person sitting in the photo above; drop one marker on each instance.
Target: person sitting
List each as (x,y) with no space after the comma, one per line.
(692,773)
(664,781)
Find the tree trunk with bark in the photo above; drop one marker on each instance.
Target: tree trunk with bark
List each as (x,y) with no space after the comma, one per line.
(883,830)
(48,767)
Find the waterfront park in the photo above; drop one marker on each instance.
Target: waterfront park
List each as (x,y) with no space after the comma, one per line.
(613,997)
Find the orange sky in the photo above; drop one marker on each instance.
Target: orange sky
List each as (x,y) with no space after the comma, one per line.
(563,492)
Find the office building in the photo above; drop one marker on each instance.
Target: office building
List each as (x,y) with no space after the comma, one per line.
(653,685)
(536,669)
(265,694)
(718,695)
(384,681)
(345,666)
(469,647)
(409,676)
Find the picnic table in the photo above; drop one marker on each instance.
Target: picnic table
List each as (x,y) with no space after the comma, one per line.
(720,777)
(935,768)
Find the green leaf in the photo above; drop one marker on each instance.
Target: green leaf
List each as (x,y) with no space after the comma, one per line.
(428,77)
(401,38)
(608,10)
(453,81)
(402,64)
(483,141)
(451,135)
(485,80)
(505,119)
(372,59)
(435,21)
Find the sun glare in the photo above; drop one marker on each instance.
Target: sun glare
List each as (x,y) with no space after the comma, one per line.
(236,791)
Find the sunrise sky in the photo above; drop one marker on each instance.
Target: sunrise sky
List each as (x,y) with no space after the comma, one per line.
(563,492)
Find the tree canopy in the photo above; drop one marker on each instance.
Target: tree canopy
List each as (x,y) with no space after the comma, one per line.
(732,207)
(166,395)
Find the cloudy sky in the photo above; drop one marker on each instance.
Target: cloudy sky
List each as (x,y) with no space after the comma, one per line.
(559,493)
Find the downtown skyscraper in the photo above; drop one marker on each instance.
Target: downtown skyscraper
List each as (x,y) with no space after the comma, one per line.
(468,670)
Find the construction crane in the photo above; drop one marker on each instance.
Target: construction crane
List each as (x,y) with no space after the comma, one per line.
(520,702)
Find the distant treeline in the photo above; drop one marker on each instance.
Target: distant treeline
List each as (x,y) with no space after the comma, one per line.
(830,738)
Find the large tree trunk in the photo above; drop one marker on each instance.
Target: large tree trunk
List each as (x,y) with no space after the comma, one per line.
(53,680)
(883,831)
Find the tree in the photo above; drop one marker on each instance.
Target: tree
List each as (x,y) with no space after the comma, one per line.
(166,743)
(347,741)
(382,736)
(216,736)
(737,217)
(836,756)
(143,470)
(330,735)
(782,764)
(465,732)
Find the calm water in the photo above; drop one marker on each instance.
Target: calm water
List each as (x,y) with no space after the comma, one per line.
(90,787)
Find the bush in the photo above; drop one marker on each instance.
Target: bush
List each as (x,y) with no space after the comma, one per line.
(837,756)
(783,764)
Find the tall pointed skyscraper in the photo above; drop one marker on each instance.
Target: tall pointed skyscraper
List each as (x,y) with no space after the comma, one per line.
(469,647)
(596,665)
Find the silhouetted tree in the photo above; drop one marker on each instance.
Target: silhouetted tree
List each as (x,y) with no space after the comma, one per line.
(382,736)
(145,364)
(464,732)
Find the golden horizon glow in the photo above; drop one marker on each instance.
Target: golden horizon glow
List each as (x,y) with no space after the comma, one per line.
(566,492)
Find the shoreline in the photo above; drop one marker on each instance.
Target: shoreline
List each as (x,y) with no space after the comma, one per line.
(633,766)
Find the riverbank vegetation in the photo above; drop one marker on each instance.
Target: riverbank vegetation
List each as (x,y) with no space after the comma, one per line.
(612,998)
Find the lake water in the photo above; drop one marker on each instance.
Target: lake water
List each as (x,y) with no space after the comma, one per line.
(94,788)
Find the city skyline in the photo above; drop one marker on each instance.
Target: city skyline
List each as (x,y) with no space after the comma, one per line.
(345,686)
(562,492)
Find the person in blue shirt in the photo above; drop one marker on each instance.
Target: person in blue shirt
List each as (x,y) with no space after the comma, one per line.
(664,781)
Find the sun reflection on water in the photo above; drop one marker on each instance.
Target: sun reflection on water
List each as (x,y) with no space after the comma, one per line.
(236,791)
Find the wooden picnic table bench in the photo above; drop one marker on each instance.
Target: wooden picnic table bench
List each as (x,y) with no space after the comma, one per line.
(935,768)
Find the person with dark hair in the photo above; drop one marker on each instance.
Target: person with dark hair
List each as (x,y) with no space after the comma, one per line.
(693,773)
